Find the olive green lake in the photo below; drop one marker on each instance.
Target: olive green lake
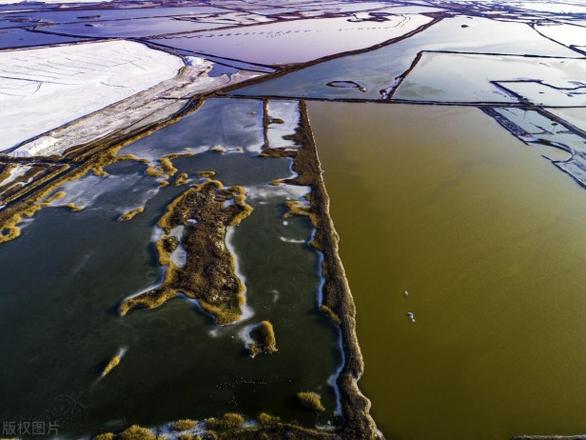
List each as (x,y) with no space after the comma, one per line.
(488,238)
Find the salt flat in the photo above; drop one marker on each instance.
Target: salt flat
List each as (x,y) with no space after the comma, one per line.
(566,34)
(53,86)
(138,111)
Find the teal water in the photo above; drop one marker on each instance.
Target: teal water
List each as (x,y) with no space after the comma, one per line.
(64,277)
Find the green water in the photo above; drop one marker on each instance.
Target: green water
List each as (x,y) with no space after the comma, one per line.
(63,279)
(488,239)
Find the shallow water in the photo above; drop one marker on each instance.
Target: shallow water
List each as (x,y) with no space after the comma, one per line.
(294,41)
(63,279)
(231,124)
(463,242)
(24,38)
(377,70)
(467,78)
(56,16)
(142,27)
(487,237)
(573,116)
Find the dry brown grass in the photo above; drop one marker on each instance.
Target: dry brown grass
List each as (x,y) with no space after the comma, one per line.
(311,400)
(229,421)
(209,273)
(264,338)
(168,166)
(136,432)
(184,425)
(129,215)
(112,363)
(181,179)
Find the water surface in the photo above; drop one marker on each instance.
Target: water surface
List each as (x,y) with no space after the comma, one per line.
(63,279)
(487,237)
(377,70)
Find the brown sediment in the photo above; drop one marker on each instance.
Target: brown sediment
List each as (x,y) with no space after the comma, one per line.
(311,401)
(264,339)
(205,211)
(112,363)
(129,215)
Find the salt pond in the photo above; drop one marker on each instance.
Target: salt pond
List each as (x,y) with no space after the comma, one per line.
(378,71)
(461,222)
(467,78)
(65,276)
(487,238)
(55,85)
(294,41)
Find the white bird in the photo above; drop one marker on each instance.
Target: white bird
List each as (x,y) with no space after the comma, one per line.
(411,316)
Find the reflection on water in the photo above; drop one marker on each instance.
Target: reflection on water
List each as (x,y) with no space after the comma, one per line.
(467,78)
(463,246)
(64,277)
(129,28)
(56,16)
(24,38)
(377,70)
(487,238)
(294,41)
(234,125)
